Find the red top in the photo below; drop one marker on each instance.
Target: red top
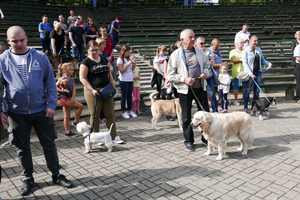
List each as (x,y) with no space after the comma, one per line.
(109,47)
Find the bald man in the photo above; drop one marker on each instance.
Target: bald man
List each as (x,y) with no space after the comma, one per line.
(31,95)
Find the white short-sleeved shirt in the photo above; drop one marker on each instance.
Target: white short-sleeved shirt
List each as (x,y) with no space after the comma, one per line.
(127,75)
(297,52)
(244,36)
(160,60)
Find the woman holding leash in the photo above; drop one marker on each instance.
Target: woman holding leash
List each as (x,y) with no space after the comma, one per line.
(94,75)
(58,39)
(252,60)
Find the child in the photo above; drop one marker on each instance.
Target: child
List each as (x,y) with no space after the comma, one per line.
(159,60)
(136,87)
(67,96)
(224,86)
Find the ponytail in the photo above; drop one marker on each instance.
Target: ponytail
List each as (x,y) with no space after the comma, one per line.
(59,71)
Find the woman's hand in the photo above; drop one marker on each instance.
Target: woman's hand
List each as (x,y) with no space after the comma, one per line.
(253,76)
(95,92)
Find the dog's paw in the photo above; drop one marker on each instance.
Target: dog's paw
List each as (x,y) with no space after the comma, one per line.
(157,129)
(219,158)
(261,117)
(240,149)
(86,152)
(252,113)
(207,153)
(244,153)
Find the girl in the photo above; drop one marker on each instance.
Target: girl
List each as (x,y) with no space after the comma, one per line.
(224,86)
(90,30)
(159,60)
(126,81)
(136,87)
(67,96)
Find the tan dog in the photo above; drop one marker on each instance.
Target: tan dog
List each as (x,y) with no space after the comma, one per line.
(217,129)
(55,61)
(165,107)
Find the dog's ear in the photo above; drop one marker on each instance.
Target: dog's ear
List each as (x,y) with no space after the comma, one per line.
(207,118)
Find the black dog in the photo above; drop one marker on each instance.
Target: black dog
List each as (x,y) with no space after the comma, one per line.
(261,106)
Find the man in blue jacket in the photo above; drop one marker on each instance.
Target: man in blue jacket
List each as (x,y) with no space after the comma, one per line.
(30,91)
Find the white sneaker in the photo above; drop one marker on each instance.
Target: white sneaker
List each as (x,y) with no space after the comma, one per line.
(118,140)
(132,114)
(115,50)
(125,115)
(236,102)
(6,144)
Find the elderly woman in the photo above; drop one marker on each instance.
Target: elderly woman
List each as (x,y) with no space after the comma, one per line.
(200,43)
(235,57)
(94,74)
(294,44)
(252,60)
(90,30)
(58,39)
(45,29)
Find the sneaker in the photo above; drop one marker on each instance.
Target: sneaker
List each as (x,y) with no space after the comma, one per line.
(70,134)
(237,103)
(189,147)
(115,50)
(74,123)
(62,181)
(118,140)
(125,115)
(220,109)
(132,114)
(224,111)
(6,144)
(170,118)
(139,112)
(27,186)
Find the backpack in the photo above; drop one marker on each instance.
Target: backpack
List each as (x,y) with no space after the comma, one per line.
(108,28)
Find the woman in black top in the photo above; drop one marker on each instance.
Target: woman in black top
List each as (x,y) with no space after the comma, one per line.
(58,39)
(94,74)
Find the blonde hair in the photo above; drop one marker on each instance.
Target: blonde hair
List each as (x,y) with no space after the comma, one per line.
(160,48)
(178,44)
(57,25)
(100,40)
(63,68)
(297,33)
(223,65)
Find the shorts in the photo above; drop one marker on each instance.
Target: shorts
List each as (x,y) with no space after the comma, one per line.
(62,102)
(236,84)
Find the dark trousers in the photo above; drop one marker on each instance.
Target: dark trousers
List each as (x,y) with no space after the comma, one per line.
(115,39)
(159,80)
(297,75)
(223,99)
(186,106)
(44,128)
(126,91)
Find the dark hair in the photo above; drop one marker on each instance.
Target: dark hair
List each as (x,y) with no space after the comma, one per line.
(172,49)
(93,25)
(124,48)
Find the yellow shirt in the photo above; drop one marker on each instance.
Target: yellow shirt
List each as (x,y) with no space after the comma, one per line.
(135,73)
(236,67)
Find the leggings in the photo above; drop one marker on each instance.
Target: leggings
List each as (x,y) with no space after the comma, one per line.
(136,99)
(223,99)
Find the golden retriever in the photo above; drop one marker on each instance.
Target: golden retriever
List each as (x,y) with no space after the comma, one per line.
(218,128)
(166,107)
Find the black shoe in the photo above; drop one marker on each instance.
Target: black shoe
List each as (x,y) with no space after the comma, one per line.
(204,141)
(74,124)
(170,118)
(62,181)
(189,147)
(71,134)
(27,186)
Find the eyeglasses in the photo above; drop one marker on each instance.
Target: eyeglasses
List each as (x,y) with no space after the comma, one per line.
(95,50)
(202,43)
(79,18)
(91,20)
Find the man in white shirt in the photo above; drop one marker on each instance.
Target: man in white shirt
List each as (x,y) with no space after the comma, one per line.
(297,72)
(244,35)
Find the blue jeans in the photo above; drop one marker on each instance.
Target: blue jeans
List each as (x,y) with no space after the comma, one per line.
(186,2)
(223,100)
(80,48)
(192,2)
(178,2)
(124,1)
(126,91)
(211,93)
(45,45)
(115,39)
(94,3)
(248,85)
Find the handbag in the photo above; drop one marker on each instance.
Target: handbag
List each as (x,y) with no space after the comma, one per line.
(243,76)
(107,92)
(153,78)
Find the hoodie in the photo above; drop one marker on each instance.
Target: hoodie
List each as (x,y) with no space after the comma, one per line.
(38,94)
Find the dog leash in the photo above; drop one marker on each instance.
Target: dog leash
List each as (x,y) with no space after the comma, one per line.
(60,50)
(95,110)
(196,98)
(263,72)
(260,89)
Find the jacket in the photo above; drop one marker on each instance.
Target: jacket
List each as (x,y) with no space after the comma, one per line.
(248,56)
(38,94)
(177,69)
(225,81)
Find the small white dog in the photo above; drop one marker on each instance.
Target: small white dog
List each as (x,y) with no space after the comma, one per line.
(217,129)
(94,138)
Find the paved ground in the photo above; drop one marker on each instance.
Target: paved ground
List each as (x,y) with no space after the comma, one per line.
(154,165)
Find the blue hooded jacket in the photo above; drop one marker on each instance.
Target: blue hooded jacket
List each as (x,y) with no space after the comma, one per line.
(39,94)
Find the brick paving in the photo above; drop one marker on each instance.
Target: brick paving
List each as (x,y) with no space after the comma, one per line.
(154,165)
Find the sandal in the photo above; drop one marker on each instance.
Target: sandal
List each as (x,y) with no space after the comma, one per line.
(117,119)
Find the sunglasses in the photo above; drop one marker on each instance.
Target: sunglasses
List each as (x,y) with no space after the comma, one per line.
(202,43)
(79,18)
(94,50)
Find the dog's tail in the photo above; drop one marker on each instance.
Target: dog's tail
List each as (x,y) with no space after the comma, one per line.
(152,95)
(111,127)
